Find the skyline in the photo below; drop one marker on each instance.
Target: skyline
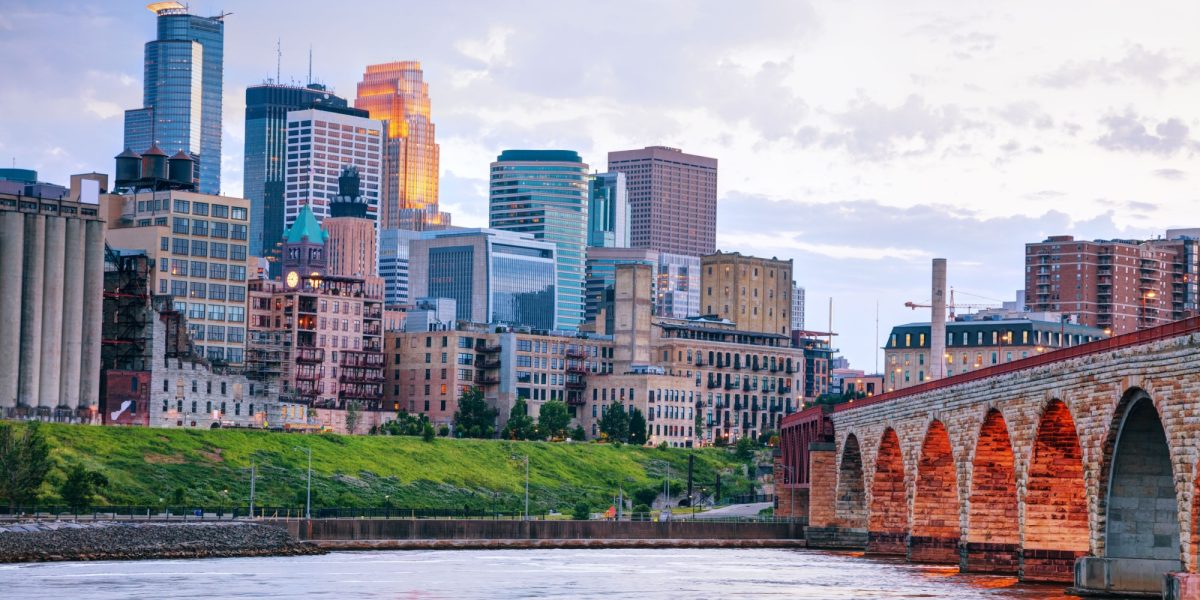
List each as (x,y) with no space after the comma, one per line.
(839,170)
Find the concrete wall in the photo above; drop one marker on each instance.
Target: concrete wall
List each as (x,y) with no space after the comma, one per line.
(438,529)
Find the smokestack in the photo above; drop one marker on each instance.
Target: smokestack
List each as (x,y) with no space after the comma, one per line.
(937,320)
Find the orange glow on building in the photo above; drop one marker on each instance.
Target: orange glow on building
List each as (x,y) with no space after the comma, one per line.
(397,93)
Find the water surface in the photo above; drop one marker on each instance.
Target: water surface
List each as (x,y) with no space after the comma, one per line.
(504,574)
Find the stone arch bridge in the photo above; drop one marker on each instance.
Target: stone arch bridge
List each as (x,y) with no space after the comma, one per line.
(1080,465)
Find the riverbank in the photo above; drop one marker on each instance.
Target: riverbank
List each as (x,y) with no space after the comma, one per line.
(69,541)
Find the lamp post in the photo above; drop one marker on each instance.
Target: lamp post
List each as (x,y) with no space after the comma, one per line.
(526,458)
(308,483)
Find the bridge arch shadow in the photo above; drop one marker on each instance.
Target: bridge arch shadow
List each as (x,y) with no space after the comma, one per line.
(1138,506)
(888,522)
(936,525)
(851,497)
(993,520)
(1056,515)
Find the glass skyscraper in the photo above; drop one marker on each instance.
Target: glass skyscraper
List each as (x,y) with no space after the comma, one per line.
(181,100)
(545,193)
(608,211)
(265,158)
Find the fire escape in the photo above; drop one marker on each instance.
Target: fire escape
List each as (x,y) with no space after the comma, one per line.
(361,378)
(487,365)
(576,375)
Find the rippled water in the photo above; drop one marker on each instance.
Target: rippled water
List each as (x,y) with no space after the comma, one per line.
(606,574)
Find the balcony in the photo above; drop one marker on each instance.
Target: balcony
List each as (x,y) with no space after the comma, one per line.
(307,374)
(576,384)
(310,355)
(488,364)
(309,389)
(729,385)
(714,384)
(578,369)
(787,389)
(362,359)
(361,376)
(356,391)
(699,362)
(487,379)
(575,399)
(486,349)
(576,354)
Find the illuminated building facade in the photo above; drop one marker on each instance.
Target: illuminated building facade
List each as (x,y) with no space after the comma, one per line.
(319,144)
(397,93)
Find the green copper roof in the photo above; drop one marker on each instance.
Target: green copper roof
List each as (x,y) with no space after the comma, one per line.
(305,226)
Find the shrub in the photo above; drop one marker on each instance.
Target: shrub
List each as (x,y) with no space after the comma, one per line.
(582,512)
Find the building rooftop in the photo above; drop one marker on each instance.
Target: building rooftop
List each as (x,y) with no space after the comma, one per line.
(305,226)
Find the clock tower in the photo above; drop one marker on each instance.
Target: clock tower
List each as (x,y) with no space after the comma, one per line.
(304,250)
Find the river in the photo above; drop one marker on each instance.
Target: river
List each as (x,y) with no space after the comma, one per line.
(501,574)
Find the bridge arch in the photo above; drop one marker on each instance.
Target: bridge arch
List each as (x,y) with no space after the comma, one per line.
(936,525)
(1056,515)
(1137,502)
(993,519)
(851,504)
(887,525)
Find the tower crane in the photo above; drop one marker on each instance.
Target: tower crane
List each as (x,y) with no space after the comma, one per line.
(951,305)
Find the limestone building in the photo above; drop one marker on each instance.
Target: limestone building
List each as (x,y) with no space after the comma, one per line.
(755,293)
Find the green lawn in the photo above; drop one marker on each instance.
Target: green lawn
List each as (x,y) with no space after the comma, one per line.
(212,468)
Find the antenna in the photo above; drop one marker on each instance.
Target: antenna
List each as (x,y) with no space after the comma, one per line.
(310,64)
(876,335)
(278,59)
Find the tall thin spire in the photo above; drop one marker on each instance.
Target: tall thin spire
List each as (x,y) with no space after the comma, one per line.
(278,58)
(310,64)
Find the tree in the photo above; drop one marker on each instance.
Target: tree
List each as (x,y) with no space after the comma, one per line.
(578,434)
(744,450)
(582,512)
(428,434)
(637,427)
(646,496)
(404,424)
(615,423)
(24,462)
(520,425)
(554,419)
(699,421)
(81,486)
(353,416)
(474,418)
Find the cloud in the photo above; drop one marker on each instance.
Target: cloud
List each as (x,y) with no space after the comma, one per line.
(873,131)
(1148,67)
(1170,174)
(1127,133)
(1023,114)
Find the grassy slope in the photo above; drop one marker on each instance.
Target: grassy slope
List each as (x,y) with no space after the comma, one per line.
(144,465)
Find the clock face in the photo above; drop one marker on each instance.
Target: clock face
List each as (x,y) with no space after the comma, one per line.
(293,279)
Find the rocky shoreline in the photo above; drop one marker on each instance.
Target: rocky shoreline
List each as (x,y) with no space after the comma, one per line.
(69,541)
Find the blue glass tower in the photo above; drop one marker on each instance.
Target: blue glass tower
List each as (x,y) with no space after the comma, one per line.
(545,193)
(181,100)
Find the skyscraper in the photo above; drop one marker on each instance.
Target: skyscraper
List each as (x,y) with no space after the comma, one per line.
(608,211)
(396,93)
(797,307)
(319,144)
(265,162)
(672,199)
(181,99)
(545,193)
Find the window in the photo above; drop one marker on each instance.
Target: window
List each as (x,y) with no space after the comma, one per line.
(235,334)
(220,229)
(238,232)
(178,288)
(218,250)
(199,248)
(181,206)
(199,269)
(237,293)
(216,333)
(238,213)
(236,314)
(200,208)
(220,211)
(179,246)
(199,227)
(217,271)
(164,243)
(216,312)
(237,252)
(237,272)
(179,267)
(216,291)
(197,290)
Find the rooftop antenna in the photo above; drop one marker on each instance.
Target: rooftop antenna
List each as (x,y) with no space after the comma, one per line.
(278,60)
(310,64)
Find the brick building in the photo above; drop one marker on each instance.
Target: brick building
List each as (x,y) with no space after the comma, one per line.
(672,199)
(754,292)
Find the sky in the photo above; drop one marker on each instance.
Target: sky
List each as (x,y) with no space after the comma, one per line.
(858,138)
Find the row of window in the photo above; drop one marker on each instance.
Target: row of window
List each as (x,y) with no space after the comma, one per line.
(220,250)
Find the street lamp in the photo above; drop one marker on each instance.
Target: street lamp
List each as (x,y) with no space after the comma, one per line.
(526,458)
(667,481)
(1150,295)
(308,483)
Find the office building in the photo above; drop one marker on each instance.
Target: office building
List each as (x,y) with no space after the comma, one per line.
(672,199)
(797,307)
(601,277)
(394,264)
(264,167)
(51,262)
(199,246)
(397,94)
(608,211)
(181,100)
(495,277)
(677,286)
(545,193)
(1116,285)
(319,144)
(351,234)
(976,342)
(755,293)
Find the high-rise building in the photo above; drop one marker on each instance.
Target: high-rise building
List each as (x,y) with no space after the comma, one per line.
(319,144)
(265,162)
(352,246)
(52,266)
(181,101)
(608,211)
(755,293)
(396,92)
(1116,285)
(677,286)
(493,276)
(797,307)
(672,199)
(393,264)
(545,193)
(602,276)
(199,246)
